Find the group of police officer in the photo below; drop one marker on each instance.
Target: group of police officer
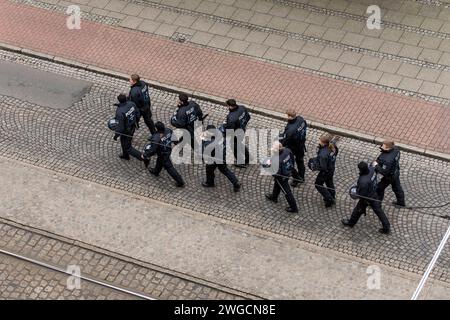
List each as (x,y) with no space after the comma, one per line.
(288,152)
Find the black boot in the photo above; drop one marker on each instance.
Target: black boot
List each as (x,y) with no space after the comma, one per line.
(384,231)
(398,205)
(270,197)
(289,209)
(127,157)
(346,222)
(237,187)
(207,185)
(153,172)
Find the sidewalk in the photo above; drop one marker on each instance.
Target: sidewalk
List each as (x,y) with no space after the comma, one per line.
(274,87)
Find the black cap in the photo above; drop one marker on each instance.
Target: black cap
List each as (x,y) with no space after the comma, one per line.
(210,127)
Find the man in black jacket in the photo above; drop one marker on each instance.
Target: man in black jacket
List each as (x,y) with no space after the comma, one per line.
(237,119)
(126,116)
(213,138)
(366,191)
(187,114)
(161,145)
(285,160)
(140,95)
(388,165)
(294,138)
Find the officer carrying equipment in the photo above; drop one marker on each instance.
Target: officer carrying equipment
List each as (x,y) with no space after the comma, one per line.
(285,158)
(187,114)
(325,163)
(140,95)
(124,126)
(238,118)
(388,165)
(213,161)
(366,193)
(294,138)
(161,145)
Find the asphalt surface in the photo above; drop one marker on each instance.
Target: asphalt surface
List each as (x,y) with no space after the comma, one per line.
(76,141)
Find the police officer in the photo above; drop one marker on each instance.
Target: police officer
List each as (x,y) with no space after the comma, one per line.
(388,165)
(294,138)
(285,159)
(187,114)
(216,161)
(126,117)
(366,191)
(161,145)
(140,95)
(238,118)
(325,163)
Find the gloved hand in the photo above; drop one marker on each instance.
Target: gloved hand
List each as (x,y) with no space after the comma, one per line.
(115,137)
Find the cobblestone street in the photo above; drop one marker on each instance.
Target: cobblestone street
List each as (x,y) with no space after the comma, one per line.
(75,141)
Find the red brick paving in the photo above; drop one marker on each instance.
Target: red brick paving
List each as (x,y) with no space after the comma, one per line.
(274,87)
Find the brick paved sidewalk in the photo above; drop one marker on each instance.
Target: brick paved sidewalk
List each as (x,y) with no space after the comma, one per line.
(259,83)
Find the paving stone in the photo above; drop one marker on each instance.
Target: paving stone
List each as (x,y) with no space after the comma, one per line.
(370,62)
(312,62)
(312,49)
(131,22)
(410,84)
(220,28)
(296,27)
(260,19)
(390,47)
(408,70)
(132,9)
(332,67)
(350,71)
(115,5)
(256,37)
(150,13)
(350,57)
(389,66)
(293,44)
(430,42)
(430,55)
(167,30)
(274,40)
(256,50)
(371,76)
(331,53)
(371,43)
(315,31)
(98,3)
(278,23)
(149,26)
(238,46)
(238,33)
(430,88)
(201,37)
(202,24)
(293,58)
(334,35)
(275,54)
(220,42)
(207,7)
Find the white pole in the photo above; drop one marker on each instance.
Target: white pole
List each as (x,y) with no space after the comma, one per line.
(431,265)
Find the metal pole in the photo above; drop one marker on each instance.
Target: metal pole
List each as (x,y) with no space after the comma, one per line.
(431,265)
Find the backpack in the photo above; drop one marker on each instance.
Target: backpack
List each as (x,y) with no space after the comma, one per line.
(145,94)
(286,166)
(244,118)
(302,131)
(130,118)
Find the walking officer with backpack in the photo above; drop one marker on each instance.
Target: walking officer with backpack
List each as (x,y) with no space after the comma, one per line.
(325,163)
(124,125)
(294,138)
(161,146)
(140,95)
(284,158)
(237,120)
(187,114)
(366,192)
(388,165)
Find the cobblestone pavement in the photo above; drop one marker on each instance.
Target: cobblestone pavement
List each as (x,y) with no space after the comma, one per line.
(24,280)
(75,141)
(211,47)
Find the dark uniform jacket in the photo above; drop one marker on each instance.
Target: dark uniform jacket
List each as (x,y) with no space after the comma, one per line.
(137,93)
(286,163)
(235,117)
(366,186)
(326,159)
(294,135)
(127,115)
(186,115)
(389,163)
(160,144)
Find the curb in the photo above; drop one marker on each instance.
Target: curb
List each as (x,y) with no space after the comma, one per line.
(221,101)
